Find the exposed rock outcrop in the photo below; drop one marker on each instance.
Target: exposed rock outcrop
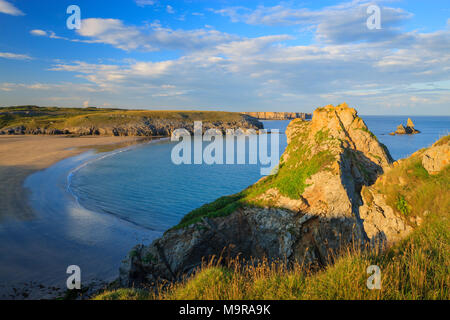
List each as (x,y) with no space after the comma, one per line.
(381,224)
(437,157)
(380,221)
(278,115)
(409,129)
(137,127)
(308,210)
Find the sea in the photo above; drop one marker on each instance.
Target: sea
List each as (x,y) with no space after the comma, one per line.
(90,210)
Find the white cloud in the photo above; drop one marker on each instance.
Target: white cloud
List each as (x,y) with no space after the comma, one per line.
(143,3)
(40,33)
(385,69)
(152,37)
(14,56)
(345,22)
(8,8)
(264,73)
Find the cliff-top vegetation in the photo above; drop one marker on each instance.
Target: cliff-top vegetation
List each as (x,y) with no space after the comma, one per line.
(45,118)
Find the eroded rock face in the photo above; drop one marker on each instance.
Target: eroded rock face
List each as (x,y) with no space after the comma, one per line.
(309,209)
(142,127)
(409,129)
(436,158)
(381,224)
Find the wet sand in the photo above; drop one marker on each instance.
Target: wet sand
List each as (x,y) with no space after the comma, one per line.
(43,230)
(20,156)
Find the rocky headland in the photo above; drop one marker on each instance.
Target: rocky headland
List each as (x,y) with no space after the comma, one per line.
(329,193)
(32,120)
(278,115)
(408,129)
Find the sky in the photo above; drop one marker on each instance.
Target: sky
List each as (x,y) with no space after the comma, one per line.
(228,55)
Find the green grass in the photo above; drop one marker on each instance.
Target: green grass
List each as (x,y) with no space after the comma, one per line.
(219,208)
(33,117)
(411,191)
(124,294)
(417,268)
(403,206)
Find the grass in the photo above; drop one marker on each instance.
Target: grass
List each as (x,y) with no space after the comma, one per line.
(412,192)
(403,206)
(219,208)
(417,268)
(33,117)
(123,294)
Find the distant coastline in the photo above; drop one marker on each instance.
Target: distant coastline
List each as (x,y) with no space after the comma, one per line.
(36,120)
(279,115)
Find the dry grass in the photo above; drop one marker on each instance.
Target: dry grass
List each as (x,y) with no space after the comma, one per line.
(416,269)
(33,117)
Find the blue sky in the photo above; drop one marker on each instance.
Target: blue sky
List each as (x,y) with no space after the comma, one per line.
(227,55)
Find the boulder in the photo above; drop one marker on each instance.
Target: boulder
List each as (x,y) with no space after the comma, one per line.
(436,158)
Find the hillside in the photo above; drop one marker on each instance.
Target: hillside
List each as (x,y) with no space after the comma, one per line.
(114,122)
(336,206)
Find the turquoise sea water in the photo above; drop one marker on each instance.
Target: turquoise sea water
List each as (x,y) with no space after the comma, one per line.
(90,210)
(143,186)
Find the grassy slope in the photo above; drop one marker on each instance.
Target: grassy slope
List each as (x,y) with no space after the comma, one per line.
(60,118)
(416,268)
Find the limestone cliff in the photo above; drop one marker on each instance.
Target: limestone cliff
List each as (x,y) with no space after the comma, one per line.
(310,208)
(278,115)
(402,189)
(115,122)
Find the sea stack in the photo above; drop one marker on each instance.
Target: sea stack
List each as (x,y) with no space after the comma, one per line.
(409,129)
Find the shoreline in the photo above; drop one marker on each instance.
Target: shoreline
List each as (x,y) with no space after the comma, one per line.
(22,156)
(40,241)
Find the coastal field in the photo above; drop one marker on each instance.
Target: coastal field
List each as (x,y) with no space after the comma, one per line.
(99,121)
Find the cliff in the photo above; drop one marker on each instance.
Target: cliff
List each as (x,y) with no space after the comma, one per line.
(411,189)
(278,115)
(322,198)
(115,122)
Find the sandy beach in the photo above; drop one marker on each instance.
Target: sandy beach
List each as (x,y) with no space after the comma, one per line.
(21,156)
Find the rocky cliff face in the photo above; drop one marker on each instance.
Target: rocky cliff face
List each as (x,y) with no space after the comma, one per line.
(278,115)
(137,127)
(436,158)
(409,129)
(381,200)
(309,209)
